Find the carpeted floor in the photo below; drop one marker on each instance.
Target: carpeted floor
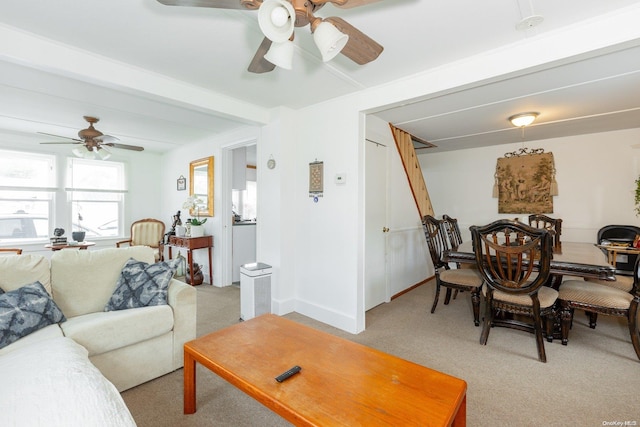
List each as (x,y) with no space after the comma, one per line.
(593,381)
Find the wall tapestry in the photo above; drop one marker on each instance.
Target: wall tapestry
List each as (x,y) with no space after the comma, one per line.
(525,182)
(316,179)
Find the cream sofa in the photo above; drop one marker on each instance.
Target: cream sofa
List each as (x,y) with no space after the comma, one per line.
(129,347)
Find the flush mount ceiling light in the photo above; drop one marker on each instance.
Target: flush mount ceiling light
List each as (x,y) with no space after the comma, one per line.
(523,119)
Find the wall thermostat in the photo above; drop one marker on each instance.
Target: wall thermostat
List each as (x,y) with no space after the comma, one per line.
(341,178)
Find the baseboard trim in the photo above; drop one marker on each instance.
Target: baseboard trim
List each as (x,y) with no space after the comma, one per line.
(410,288)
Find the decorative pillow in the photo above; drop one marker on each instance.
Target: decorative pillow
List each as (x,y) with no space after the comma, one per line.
(141,285)
(26,310)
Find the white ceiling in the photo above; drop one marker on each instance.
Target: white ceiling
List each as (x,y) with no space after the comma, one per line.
(45,88)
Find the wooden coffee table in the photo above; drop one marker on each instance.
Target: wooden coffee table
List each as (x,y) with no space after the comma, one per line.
(341,382)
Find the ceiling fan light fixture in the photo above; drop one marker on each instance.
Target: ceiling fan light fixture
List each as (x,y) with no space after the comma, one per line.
(84,153)
(523,119)
(329,40)
(79,151)
(281,54)
(277,20)
(103,153)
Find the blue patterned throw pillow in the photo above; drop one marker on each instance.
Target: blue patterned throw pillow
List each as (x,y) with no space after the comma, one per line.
(26,310)
(141,285)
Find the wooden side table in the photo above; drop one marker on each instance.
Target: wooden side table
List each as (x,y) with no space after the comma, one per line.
(191,244)
(81,245)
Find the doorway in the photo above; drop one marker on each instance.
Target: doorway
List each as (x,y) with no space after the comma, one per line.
(243,209)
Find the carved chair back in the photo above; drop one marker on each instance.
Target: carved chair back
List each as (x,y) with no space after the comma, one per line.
(512,256)
(554,225)
(436,240)
(453,230)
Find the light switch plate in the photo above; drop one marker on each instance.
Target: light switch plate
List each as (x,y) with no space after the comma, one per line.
(341,178)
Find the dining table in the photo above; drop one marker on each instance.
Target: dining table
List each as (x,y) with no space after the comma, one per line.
(578,259)
(581,259)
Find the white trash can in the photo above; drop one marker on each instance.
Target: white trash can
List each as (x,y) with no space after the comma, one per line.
(255,290)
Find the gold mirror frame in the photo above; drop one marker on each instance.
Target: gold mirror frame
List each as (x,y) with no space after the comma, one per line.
(201,185)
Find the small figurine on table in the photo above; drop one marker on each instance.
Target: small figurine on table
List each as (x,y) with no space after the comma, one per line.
(176,221)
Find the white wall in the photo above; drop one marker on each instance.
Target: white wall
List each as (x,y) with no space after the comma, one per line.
(596,176)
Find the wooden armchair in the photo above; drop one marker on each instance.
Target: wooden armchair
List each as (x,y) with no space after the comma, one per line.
(554,225)
(515,261)
(147,232)
(458,279)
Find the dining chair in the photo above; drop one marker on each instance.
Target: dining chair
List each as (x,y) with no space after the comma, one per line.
(453,230)
(554,225)
(452,279)
(595,298)
(455,239)
(15,251)
(514,260)
(147,232)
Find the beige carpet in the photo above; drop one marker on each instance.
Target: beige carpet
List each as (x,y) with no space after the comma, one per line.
(592,381)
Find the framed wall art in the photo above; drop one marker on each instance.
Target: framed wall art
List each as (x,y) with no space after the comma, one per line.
(181,183)
(525,182)
(316,179)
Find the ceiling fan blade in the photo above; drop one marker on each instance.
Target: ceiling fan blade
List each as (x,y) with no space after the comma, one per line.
(355,3)
(258,63)
(106,138)
(124,146)
(68,142)
(360,48)
(219,4)
(59,136)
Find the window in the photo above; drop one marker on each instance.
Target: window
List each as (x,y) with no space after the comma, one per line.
(244,201)
(33,203)
(27,193)
(95,193)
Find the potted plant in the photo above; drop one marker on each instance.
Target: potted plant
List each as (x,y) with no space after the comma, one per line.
(79,235)
(196,225)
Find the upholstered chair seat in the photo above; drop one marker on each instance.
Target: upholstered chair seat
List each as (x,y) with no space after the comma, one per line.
(595,298)
(590,293)
(624,283)
(465,276)
(546,295)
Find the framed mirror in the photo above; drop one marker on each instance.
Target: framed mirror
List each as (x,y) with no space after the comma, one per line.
(201,185)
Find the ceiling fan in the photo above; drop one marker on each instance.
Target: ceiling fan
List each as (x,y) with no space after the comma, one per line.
(94,143)
(277,19)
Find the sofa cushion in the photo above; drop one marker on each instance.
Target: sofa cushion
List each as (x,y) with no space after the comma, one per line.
(118,329)
(26,310)
(52,383)
(18,270)
(141,285)
(83,281)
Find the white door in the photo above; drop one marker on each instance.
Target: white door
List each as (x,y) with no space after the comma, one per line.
(375,274)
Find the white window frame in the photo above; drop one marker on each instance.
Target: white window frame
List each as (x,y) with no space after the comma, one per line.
(20,185)
(117,188)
